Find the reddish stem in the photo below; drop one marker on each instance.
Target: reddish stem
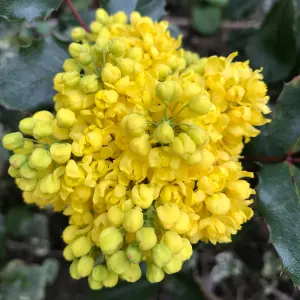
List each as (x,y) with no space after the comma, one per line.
(77,15)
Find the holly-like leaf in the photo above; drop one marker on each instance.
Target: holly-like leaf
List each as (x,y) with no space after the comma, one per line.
(278,137)
(183,285)
(21,281)
(27,10)
(240,9)
(155,9)
(206,19)
(142,290)
(273,47)
(26,81)
(280,205)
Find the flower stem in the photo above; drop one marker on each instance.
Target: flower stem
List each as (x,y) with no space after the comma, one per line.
(77,15)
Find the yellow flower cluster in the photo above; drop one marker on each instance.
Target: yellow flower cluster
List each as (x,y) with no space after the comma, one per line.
(142,153)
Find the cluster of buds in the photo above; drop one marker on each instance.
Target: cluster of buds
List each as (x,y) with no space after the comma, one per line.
(142,152)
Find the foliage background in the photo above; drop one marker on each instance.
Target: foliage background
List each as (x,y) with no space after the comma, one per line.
(263,262)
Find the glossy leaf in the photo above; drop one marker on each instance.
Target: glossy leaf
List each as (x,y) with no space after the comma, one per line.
(26,81)
(27,10)
(206,19)
(281,135)
(141,289)
(280,205)
(152,8)
(273,47)
(183,285)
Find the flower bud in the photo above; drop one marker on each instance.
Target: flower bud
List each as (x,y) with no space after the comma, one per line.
(182,225)
(218,204)
(147,238)
(71,78)
(154,274)
(117,47)
(75,49)
(140,145)
(102,16)
(168,214)
(207,160)
(43,115)
(78,34)
(85,266)
(133,220)
(101,45)
(135,16)
(134,124)
(164,133)
(41,129)
(60,153)
(68,253)
(200,104)
(132,274)
(163,71)
(118,262)
(26,149)
(239,189)
(174,265)
(94,285)
(186,251)
(26,185)
(85,59)
(71,65)
(65,118)
(13,172)
(120,18)
(115,215)
(73,270)
(96,27)
(12,141)
(126,66)
(89,83)
(18,160)
(143,195)
(135,53)
(26,125)
(110,73)
(27,172)
(161,254)
(183,145)
(133,254)
(110,240)
(40,159)
(69,234)
(168,91)
(198,135)
(194,159)
(81,246)
(50,184)
(173,241)
(99,273)
(111,280)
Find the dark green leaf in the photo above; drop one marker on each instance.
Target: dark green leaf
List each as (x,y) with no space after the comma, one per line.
(27,10)
(15,220)
(183,285)
(21,281)
(206,19)
(279,136)
(26,81)
(220,3)
(273,47)
(155,9)
(174,30)
(2,238)
(240,9)
(142,290)
(280,206)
